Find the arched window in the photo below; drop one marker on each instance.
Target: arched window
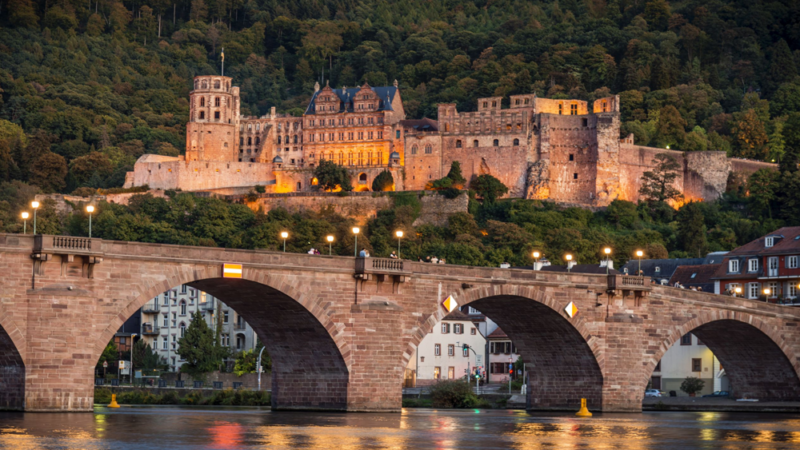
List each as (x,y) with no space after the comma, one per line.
(475,143)
(183,308)
(279,139)
(314,181)
(516,141)
(362,178)
(458,143)
(258,140)
(258,127)
(216,84)
(202,101)
(428,149)
(205,84)
(413,149)
(495,142)
(249,141)
(299,185)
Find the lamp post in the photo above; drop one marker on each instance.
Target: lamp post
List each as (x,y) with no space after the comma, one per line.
(25,216)
(607,251)
(767,291)
(568,257)
(35,206)
(399,234)
(736,291)
(639,255)
(258,366)
(133,335)
(330,244)
(90,210)
(536,256)
(355,245)
(284,235)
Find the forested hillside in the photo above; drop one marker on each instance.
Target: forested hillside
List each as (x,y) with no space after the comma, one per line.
(88,87)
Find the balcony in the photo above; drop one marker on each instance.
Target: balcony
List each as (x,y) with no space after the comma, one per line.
(151,308)
(367,267)
(207,306)
(149,329)
(240,327)
(628,286)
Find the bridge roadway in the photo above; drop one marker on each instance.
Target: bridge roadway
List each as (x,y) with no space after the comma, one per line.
(341,330)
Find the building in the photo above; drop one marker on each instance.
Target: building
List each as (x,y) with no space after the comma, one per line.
(689,358)
(566,151)
(166,317)
(441,354)
(767,268)
(695,277)
(501,353)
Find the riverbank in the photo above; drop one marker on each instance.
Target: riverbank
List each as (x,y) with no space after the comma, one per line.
(209,397)
(716,405)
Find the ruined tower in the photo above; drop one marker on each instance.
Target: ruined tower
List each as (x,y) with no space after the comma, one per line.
(212,132)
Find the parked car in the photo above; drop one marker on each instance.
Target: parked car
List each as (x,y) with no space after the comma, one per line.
(652,393)
(719,394)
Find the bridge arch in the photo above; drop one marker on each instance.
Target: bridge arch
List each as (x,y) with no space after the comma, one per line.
(12,366)
(561,354)
(308,350)
(752,352)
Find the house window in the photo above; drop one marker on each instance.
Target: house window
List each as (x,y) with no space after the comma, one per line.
(658,269)
(769,242)
(752,265)
(686,339)
(733,266)
(473,331)
(752,290)
(445,328)
(183,329)
(166,299)
(697,364)
(791,290)
(183,289)
(791,262)
(458,328)
(437,373)
(166,321)
(225,317)
(183,308)
(451,350)
(437,350)
(164,343)
(773,288)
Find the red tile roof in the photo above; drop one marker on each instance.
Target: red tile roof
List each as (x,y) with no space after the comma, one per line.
(697,276)
(498,333)
(789,243)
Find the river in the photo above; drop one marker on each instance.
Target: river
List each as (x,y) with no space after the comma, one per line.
(175,427)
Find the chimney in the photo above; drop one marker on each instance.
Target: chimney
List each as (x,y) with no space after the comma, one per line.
(609,262)
(571,264)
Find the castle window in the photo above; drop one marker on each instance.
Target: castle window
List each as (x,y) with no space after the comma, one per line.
(446,127)
(249,141)
(494,104)
(202,101)
(508,126)
(605,106)
(560,109)
(224,145)
(516,141)
(205,84)
(585,122)
(258,140)
(241,141)
(295,139)
(216,101)
(574,176)
(495,142)
(458,143)
(362,178)
(258,127)
(475,143)
(414,150)
(279,139)
(571,157)
(527,101)
(397,134)
(485,104)
(299,184)
(202,114)
(573,109)
(216,114)
(216,84)
(341,158)
(516,102)
(428,149)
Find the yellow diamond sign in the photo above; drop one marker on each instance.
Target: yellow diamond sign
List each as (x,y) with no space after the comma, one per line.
(571,310)
(449,303)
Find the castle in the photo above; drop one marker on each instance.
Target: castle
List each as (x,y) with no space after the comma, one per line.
(566,151)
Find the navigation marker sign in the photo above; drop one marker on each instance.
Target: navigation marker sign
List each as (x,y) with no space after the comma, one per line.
(571,310)
(449,303)
(231,271)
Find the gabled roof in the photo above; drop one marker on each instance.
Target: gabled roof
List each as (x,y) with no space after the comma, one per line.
(788,242)
(457,315)
(666,266)
(696,276)
(498,333)
(385,96)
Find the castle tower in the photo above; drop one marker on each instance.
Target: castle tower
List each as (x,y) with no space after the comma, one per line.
(212,133)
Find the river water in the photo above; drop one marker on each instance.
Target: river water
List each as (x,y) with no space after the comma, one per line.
(174,427)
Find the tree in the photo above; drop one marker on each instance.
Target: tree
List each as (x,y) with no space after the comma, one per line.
(48,172)
(762,186)
(331,176)
(109,355)
(145,358)
(749,134)
(657,184)
(488,187)
(622,213)
(23,13)
(692,229)
(671,128)
(94,163)
(198,347)
(246,361)
(383,182)
(692,385)
(455,175)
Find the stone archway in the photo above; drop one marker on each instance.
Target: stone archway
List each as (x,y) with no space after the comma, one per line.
(752,353)
(308,352)
(12,374)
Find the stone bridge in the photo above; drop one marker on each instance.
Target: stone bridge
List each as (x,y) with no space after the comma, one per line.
(341,330)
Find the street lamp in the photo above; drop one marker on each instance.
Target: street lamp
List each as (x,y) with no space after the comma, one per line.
(133,335)
(90,210)
(536,256)
(284,235)
(767,291)
(737,291)
(355,245)
(25,216)
(330,243)
(568,257)
(399,234)
(639,255)
(607,251)
(35,206)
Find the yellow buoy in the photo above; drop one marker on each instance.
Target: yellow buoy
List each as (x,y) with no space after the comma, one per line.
(114,403)
(584,411)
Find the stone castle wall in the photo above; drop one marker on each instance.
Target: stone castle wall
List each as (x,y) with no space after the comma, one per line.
(173,173)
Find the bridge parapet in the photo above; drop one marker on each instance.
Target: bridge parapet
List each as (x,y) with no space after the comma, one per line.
(68,247)
(366,267)
(629,287)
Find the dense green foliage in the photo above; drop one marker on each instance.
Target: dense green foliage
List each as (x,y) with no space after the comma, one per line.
(202,352)
(247,361)
(332,177)
(102,396)
(145,358)
(455,394)
(85,88)
(692,385)
(383,182)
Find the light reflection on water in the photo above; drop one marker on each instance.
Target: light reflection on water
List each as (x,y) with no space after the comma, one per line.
(171,427)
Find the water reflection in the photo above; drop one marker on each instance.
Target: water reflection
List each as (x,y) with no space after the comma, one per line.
(253,428)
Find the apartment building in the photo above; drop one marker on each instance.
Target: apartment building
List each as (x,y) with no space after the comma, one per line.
(166,318)
(689,358)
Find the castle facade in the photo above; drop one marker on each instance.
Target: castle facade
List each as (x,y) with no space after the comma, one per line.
(567,151)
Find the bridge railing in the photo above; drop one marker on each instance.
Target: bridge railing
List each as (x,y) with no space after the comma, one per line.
(629,283)
(66,244)
(389,266)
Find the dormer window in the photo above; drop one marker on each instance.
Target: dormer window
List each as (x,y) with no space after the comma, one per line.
(752,265)
(733,266)
(769,242)
(658,269)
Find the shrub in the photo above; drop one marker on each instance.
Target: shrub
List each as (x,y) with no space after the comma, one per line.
(692,385)
(102,396)
(453,394)
(383,182)
(261,189)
